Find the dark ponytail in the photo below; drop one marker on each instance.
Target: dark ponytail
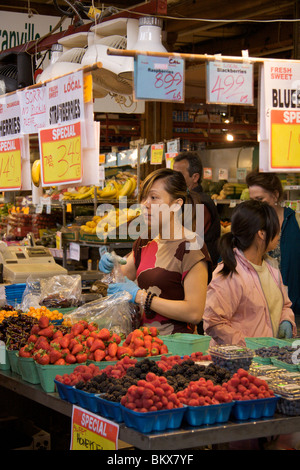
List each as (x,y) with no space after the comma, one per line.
(247,219)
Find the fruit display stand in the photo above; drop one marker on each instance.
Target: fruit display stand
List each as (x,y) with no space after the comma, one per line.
(243,404)
(185,437)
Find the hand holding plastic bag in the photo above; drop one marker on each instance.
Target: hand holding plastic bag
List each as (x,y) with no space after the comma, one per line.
(112,312)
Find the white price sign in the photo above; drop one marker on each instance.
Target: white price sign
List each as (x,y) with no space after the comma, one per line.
(229,82)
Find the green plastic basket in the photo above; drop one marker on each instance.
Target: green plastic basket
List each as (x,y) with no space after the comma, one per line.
(13,360)
(28,370)
(284,365)
(5,365)
(266,342)
(47,374)
(185,344)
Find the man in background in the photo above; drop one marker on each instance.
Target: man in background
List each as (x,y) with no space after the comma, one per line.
(190,165)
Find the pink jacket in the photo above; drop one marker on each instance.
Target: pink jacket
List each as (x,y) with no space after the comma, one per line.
(236,306)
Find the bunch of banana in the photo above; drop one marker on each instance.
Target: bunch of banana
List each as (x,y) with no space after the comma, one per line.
(128,187)
(110,191)
(85,192)
(90,226)
(36,173)
(230,189)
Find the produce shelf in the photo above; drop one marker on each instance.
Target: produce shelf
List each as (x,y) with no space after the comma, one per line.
(186,437)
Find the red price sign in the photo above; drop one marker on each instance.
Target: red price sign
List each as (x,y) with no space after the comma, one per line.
(60,149)
(10,164)
(229,83)
(159,78)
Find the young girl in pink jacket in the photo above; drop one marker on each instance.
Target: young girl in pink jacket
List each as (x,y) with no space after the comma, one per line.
(246,297)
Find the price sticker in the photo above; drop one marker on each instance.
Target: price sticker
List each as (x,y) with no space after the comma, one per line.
(285,139)
(229,83)
(158,78)
(61,154)
(10,164)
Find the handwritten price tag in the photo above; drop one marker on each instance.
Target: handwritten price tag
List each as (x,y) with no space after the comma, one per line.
(92,432)
(158,78)
(10,164)
(229,83)
(285,139)
(60,150)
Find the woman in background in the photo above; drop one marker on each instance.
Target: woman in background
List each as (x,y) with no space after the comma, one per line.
(267,187)
(246,297)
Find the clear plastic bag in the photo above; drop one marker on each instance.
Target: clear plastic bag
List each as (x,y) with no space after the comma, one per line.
(62,291)
(113,312)
(32,293)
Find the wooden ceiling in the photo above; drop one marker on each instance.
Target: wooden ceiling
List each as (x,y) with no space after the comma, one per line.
(266,28)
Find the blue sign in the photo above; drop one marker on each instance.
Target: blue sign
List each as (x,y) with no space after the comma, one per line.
(158,78)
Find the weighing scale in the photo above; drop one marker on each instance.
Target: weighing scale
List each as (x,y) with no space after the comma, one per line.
(19,262)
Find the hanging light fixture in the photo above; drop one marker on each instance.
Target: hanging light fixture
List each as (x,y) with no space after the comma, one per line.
(149,39)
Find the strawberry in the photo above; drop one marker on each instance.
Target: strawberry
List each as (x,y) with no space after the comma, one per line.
(81,357)
(32,339)
(116,338)
(164,349)
(44,359)
(90,341)
(77,328)
(43,322)
(92,326)
(35,329)
(64,341)
(58,334)
(138,341)
(70,359)
(104,334)
(122,351)
(153,331)
(99,355)
(97,344)
(154,352)
(112,349)
(24,352)
(60,362)
(54,355)
(47,332)
(140,352)
(77,349)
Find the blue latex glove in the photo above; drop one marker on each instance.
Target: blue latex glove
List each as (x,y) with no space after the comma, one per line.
(129,286)
(106,263)
(285,330)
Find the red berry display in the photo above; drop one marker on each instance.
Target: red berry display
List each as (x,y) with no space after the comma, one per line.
(152,394)
(243,386)
(204,392)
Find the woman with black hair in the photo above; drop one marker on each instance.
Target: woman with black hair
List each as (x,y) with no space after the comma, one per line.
(267,187)
(169,267)
(246,297)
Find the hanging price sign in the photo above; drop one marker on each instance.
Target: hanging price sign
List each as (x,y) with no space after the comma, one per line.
(10,164)
(229,83)
(158,78)
(92,432)
(61,154)
(285,139)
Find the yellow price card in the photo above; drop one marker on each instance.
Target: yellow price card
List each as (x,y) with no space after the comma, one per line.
(61,154)
(10,164)
(285,139)
(157,151)
(92,432)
